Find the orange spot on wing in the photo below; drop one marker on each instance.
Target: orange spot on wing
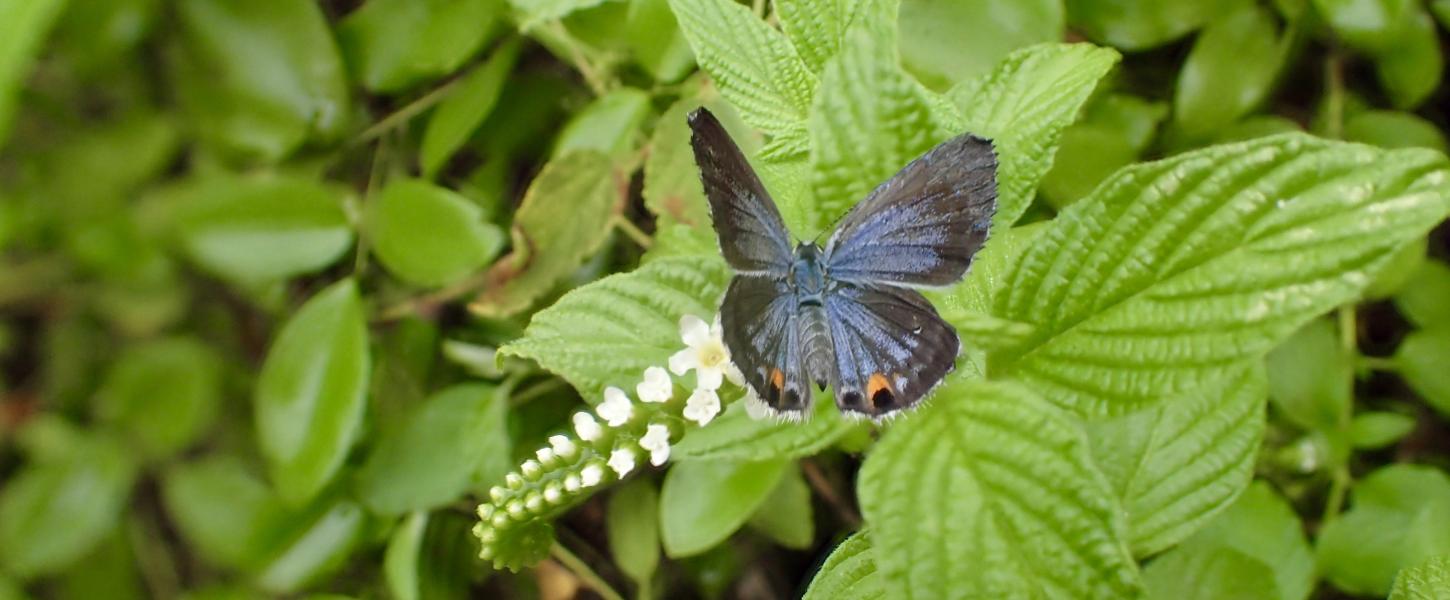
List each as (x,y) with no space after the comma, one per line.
(777,379)
(875,384)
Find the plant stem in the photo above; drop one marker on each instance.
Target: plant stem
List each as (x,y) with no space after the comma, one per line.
(1338,485)
(404,114)
(1334,95)
(583,572)
(633,231)
(587,69)
(375,176)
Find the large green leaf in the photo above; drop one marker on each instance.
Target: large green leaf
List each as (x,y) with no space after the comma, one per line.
(289,85)
(565,217)
(849,573)
(429,235)
(969,479)
(656,41)
(456,438)
(311,390)
(258,229)
(23,26)
(1173,270)
(1212,573)
(756,68)
(392,44)
(735,435)
(1429,580)
(1311,377)
(608,332)
(817,28)
(225,513)
(1398,518)
(785,516)
(610,124)
(1228,72)
(465,109)
(702,503)
(1177,465)
(1023,106)
(162,394)
(945,42)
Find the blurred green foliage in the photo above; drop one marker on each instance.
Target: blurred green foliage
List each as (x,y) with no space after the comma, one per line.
(287,287)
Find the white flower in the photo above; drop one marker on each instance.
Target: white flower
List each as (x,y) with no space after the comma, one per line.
(622,461)
(546,456)
(615,409)
(706,353)
(572,483)
(562,445)
(586,427)
(702,406)
(656,441)
(590,476)
(656,386)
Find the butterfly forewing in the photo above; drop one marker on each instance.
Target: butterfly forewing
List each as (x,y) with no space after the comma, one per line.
(921,227)
(752,236)
(891,347)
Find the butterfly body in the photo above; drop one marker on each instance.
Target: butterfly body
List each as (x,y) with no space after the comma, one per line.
(847,315)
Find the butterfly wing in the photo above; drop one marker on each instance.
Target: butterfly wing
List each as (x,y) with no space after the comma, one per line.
(762,329)
(891,348)
(752,235)
(922,226)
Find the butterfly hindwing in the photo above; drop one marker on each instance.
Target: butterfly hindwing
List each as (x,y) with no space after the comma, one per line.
(752,235)
(761,320)
(891,348)
(922,226)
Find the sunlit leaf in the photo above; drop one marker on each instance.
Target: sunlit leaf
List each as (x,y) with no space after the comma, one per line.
(849,573)
(429,235)
(1429,580)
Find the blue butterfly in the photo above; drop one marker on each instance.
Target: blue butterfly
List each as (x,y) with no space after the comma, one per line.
(847,314)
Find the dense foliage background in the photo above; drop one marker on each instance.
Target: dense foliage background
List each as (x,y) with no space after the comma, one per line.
(259,258)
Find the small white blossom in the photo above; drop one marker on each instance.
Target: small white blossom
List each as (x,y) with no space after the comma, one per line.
(551,494)
(656,441)
(590,476)
(702,406)
(656,386)
(531,469)
(706,354)
(572,483)
(562,445)
(616,408)
(622,461)
(545,455)
(586,427)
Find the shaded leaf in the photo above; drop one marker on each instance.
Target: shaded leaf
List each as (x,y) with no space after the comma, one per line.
(944,43)
(849,573)
(1421,360)
(610,124)
(429,235)
(633,521)
(786,515)
(23,26)
(1423,303)
(1379,429)
(703,502)
(1429,580)
(1211,573)
(1228,72)
(163,394)
(1397,518)
(656,41)
(393,44)
(1136,25)
(1311,377)
(465,109)
(734,435)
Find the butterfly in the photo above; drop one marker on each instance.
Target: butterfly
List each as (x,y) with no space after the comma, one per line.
(848,314)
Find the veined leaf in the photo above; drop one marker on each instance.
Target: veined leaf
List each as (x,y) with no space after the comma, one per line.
(608,332)
(869,119)
(1429,580)
(736,436)
(1022,106)
(989,475)
(1173,270)
(311,391)
(817,28)
(755,66)
(564,218)
(1178,465)
(849,573)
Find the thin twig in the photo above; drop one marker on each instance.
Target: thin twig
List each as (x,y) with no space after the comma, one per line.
(1334,95)
(360,262)
(402,115)
(823,487)
(431,300)
(591,72)
(633,231)
(583,572)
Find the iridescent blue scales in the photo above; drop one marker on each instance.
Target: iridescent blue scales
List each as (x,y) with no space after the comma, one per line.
(847,315)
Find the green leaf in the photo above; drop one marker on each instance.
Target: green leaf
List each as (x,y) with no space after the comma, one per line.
(786,515)
(1398,518)
(1211,573)
(735,435)
(608,332)
(610,124)
(429,235)
(262,104)
(224,512)
(1399,271)
(162,394)
(1423,303)
(1175,269)
(703,502)
(756,68)
(1262,526)
(23,26)
(431,556)
(1137,25)
(54,512)
(454,439)
(869,119)
(817,28)
(633,521)
(310,392)
(564,218)
(400,561)
(656,42)
(1367,25)
(964,481)
(1393,129)
(1229,71)
(1114,131)
(1379,429)
(253,230)
(535,12)
(1410,70)
(1311,377)
(1421,360)
(393,44)
(849,573)
(1429,580)
(1023,106)
(465,108)
(320,546)
(1178,465)
(944,43)
(672,189)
